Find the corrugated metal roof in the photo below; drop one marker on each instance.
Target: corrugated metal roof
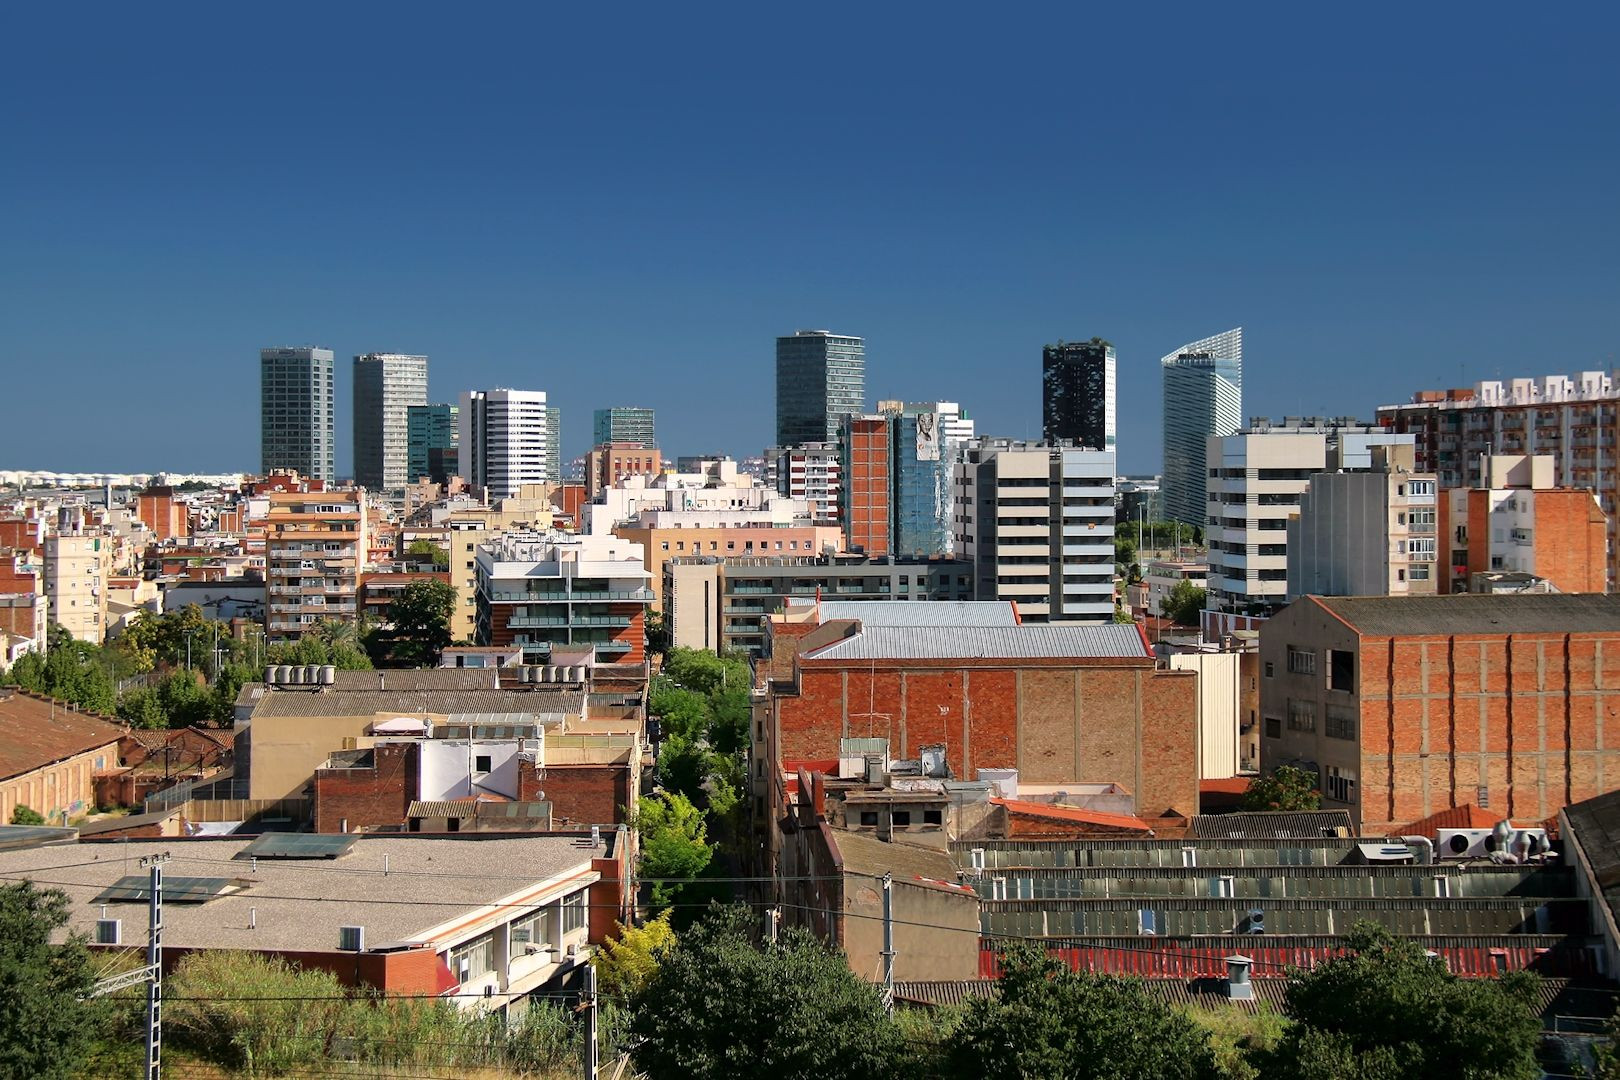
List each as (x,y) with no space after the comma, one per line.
(309,702)
(1477,613)
(1272,825)
(1038,641)
(921,613)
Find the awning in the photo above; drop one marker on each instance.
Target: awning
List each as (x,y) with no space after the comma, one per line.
(1385,853)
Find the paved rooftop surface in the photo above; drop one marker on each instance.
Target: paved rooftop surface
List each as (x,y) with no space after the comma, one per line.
(1036,641)
(1477,613)
(921,613)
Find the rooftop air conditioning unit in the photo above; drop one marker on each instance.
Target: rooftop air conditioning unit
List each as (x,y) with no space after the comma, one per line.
(109,931)
(352,938)
(1464,844)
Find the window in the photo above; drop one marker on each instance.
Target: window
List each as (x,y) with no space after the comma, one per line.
(902,819)
(1341,787)
(1420,487)
(1146,922)
(1301,714)
(1271,669)
(1301,661)
(474,959)
(869,818)
(573,911)
(1340,722)
(481,763)
(1341,670)
(529,931)
(1223,887)
(933,817)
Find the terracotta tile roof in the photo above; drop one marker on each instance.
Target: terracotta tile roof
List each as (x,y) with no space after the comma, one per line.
(34,733)
(1466,816)
(1235,785)
(1075,814)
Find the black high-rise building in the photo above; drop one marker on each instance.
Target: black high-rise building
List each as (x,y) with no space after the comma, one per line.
(1077,393)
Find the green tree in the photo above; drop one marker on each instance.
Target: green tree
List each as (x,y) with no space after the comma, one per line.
(674,843)
(46,1030)
(680,711)
(1047,1020)
(142,708)
(26,815)
(419,623)
(1606,1052)
(1284,788)
(1385,1009)
(159,639)
(657,630)
(723,1006)
(705,673)
(628,961)
(1184,603)
(426,551)
(330,641)
(731,712)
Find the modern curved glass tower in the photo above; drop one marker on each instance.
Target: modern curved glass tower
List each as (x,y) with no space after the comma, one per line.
(1203,396)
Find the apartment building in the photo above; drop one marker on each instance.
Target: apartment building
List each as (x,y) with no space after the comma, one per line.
(505,439)
(296,416)
(78,571)
(315,546)
(1517,522)
(540,590)
(1371,533)
(386,385)
(22,603)
(1037,523)
(1256,480)
(609,464)
(724,603)
(812,472)
(1575,420)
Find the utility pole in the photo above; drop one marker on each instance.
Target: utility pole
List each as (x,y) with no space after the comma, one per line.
(888,941)
(154,961)
(591,1049)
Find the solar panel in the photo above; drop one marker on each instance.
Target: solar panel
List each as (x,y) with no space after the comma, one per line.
(176,890)
(278,845)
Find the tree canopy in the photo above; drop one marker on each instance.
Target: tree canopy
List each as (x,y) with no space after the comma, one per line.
(45,1030)
(629,960)
(1184,603)
(418,624)
(1387,1010)
(674,842)
(1284,788)
(723,1006)
(1047,1020)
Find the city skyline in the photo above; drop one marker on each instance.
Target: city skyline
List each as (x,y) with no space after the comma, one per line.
(1413,219)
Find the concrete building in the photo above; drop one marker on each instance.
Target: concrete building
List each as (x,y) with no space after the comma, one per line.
(608,464)
(1404,706)
(1367,533)
(168,517)
(50,754)
(717,539)
(23,618)
(927,438)
(812,472)
(386,385)
(1228,710)
(1161,576)
(1055,705)
(78,573)
(1256,480)
(1203,398)
(296,417)
(1141,501)
(1573,420)
(624,424)
(492,921)
(820,378)
(866,467)
(432,436)
(1516,522)
(1037,522)
(315,546)
(724,602)
(1077,394)
(546,590)
(505,439)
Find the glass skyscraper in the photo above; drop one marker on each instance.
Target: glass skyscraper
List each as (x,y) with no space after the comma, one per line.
(385,386)
(623,424)
(820,378)
(1203,396)
(1077,393)
(296,423)
(429,428)
(928,438)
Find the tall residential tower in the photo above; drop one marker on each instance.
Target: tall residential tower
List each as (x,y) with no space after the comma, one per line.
(295,412)
(1203,397)
(1077,393)
(505,440)
(820,377)
(386,385)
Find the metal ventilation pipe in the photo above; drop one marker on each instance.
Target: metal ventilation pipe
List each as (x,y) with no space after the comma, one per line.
(1426,856)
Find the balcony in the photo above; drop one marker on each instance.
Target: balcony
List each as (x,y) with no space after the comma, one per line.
(536,620)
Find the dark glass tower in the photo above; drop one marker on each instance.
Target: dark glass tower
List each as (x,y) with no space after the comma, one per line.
(820,378)
(1077,393)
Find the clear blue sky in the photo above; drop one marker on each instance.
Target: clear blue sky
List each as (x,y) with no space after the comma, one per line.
(624,205)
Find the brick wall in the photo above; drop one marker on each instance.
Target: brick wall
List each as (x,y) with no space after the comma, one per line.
(367,798)
(586,794)
(1571,542)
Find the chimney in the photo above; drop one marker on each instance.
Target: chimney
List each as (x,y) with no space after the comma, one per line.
(1238,986)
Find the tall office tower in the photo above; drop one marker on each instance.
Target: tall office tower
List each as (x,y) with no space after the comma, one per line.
(624,424)
(431,433)
(385,385)
(553,445)
(1037,523)
(1077,393)
(504,440)
(1203,396)
(929,437)
(820,378)
(295,412)
(866,464)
